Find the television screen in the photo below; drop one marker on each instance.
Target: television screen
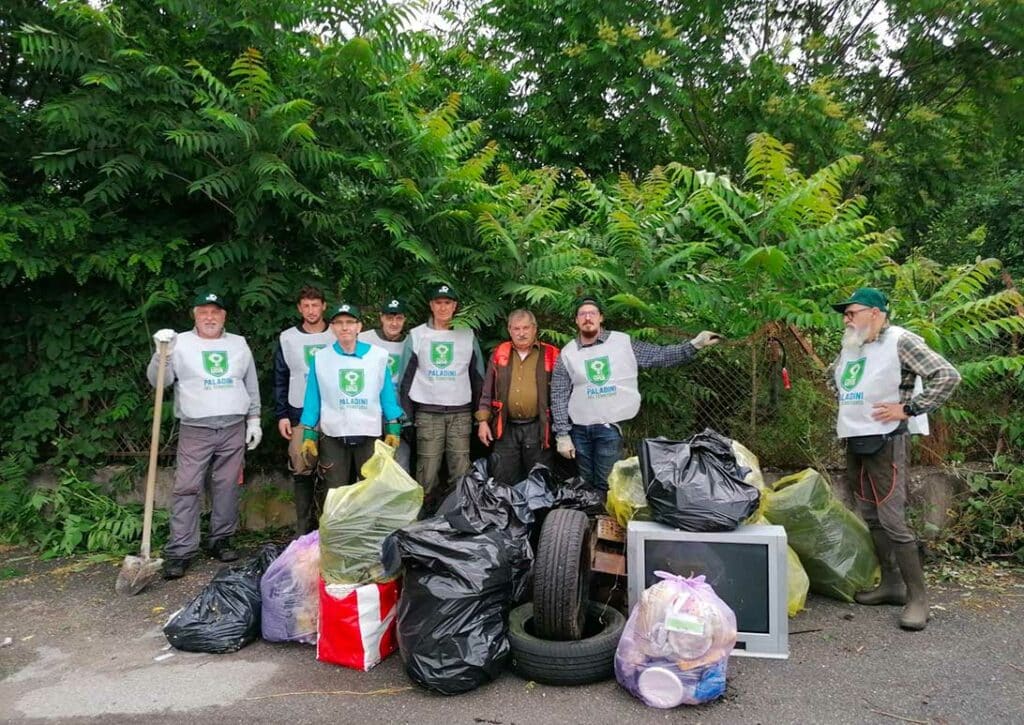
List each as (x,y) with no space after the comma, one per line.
(746,567)
(737,572)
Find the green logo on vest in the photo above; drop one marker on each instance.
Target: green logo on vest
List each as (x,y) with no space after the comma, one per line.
(598,370)
(215,362)
(852,374)
(351,382)
(393,361)
(441,354)
(309,351)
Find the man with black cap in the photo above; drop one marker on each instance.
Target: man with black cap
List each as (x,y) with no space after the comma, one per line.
(217,400)
(296,347)
(594,388)
(349,394)
(391,337)
(441,383)
(887,379)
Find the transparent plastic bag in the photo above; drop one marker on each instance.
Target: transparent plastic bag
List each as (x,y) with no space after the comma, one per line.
(357,519)
(626,498)
(676,644)
(833,543)
(291,603)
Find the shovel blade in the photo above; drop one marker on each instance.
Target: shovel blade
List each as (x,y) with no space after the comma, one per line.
(136,574)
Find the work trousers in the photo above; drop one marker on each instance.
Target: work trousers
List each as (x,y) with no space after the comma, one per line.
(441,435)
(214,456)
(340,461)
(518,451)
(879,485)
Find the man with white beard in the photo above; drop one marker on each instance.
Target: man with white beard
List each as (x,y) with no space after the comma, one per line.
(887,379)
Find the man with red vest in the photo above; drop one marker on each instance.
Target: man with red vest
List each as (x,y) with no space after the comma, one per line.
(513,413)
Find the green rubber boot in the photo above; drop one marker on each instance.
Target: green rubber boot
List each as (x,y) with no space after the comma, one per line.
(891,590)
(915,614)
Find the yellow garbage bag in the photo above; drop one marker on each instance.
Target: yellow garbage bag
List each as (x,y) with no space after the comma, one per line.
(626,498)
(357,518)
(832,542)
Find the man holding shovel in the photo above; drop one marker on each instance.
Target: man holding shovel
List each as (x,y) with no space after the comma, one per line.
(217,400)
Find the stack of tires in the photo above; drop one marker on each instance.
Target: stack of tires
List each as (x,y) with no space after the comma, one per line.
(563,638)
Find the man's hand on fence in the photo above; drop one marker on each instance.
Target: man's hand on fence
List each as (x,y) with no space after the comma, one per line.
(706,339)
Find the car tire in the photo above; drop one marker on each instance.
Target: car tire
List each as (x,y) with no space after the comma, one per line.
(561,575)
(578,662)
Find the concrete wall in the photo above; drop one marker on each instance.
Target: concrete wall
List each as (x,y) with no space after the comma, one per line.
(267,498)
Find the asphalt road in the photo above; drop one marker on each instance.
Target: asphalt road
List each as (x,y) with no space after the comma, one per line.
(80,653)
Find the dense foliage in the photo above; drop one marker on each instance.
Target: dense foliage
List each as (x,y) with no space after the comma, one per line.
(732,165)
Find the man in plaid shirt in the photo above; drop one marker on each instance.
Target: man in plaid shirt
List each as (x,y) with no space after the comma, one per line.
(886,380)
(594,388)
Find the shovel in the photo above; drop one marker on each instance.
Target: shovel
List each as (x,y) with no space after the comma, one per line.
(138,571)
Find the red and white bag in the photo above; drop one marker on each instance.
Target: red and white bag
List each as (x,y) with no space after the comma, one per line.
(357,623)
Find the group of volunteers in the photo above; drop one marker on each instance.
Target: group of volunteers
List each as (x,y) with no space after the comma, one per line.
(338,388)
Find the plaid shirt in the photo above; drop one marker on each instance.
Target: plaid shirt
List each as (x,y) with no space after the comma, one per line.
(647,356)
(916,359)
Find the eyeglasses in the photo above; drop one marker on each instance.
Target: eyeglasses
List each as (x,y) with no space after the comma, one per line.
(584,315)
(849,314)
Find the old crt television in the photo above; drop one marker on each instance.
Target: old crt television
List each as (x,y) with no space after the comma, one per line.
(746,568)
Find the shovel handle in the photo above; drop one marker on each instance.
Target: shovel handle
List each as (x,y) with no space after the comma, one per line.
(154,445)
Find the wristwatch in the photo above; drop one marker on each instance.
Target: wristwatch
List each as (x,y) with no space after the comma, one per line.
(909,410)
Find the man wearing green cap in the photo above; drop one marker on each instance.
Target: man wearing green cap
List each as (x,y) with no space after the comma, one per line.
(887,380)
(296,347)
(349,393)
(391,337)
(441,383)
(217,400)
(594,388)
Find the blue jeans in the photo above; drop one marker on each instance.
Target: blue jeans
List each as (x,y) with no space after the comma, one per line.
(598,447)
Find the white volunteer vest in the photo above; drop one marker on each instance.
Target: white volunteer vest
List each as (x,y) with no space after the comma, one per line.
(350,392)
(442,365)
(298,348)
(394,350)
(210,375)
(604,381)
(869,376)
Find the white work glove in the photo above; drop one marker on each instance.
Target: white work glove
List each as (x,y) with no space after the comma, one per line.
(253,434)
(705,339)
(165,335)
(565,447)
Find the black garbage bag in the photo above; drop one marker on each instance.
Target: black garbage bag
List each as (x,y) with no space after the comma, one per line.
(225,615)
(696,485)
(464,570)
(541,492)
(457,592)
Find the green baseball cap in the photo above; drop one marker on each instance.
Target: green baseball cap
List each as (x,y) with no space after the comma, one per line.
(394,306)
(867,296)
(345,308)
(444,290)
(209,298)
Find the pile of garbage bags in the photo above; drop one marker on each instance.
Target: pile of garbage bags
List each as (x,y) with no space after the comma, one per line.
(691,485)
(675,648)
(464,570)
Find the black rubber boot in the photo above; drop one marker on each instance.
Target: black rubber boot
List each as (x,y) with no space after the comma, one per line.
(915,614)
(891,590)
(175,568)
